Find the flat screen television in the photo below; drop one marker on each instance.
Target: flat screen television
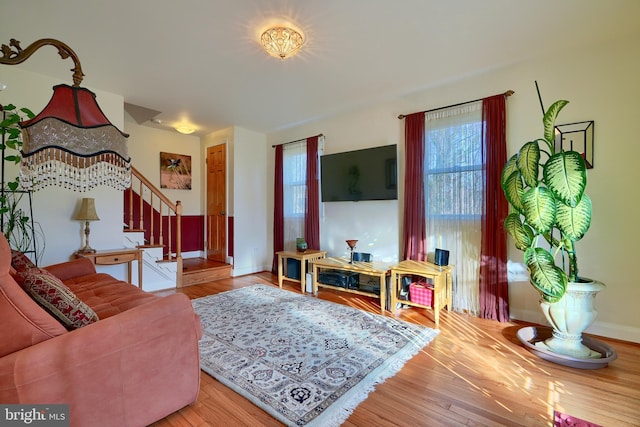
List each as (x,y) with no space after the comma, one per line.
(368,174)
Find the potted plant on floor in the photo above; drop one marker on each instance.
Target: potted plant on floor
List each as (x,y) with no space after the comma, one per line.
(550,212)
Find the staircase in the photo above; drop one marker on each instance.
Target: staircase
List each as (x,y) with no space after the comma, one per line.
(154,223)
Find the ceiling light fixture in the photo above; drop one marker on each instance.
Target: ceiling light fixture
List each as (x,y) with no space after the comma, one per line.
(281,42)
(185,129)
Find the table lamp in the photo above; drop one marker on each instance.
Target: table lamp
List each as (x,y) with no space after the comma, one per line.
(87,213)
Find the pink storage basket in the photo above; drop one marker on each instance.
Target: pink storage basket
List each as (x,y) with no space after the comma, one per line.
(420,293)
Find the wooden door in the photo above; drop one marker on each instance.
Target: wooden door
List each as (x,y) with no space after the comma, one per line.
(216,203)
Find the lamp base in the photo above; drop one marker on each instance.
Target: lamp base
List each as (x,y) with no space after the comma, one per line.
(87,249)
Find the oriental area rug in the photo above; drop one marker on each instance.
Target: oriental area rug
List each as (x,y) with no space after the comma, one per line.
(305,361)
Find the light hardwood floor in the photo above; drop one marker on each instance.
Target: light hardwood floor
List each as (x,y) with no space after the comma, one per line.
(475,373)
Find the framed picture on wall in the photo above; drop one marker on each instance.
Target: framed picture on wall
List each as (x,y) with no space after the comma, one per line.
(175,171)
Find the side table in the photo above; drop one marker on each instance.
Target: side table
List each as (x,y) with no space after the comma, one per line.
(442,283)
(116,256)
(368,268)
(303,257)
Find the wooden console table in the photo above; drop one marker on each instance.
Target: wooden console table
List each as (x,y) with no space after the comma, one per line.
(360,267)
(303,257)
(442,282)
(116,256)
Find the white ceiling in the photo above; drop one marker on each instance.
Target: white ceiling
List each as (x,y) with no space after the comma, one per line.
(198,61)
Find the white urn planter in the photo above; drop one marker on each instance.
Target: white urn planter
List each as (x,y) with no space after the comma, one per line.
(570,317)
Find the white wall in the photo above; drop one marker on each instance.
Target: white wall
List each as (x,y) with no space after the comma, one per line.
(601,84)
(250,203)
(145,145)
(375,224)
(247,196)
(54,207)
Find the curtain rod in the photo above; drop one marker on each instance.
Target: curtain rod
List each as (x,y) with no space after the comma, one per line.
(402,116)
(297,140)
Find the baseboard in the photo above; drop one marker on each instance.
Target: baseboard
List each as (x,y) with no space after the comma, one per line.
(242,271)
(599,328)
(611,330)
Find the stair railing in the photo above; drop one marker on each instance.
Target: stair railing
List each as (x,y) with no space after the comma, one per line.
(158,202)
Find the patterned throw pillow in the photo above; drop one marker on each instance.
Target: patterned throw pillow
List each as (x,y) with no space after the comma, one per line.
(20,262)
(48,291)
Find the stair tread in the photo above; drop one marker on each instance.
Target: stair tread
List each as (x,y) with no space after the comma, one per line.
(202,264)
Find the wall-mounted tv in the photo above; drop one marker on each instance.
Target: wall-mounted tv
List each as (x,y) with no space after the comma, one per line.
(369,174)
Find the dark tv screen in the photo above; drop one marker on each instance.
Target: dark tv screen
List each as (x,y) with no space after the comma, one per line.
(369,174)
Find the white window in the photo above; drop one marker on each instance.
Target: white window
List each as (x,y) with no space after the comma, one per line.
(294,174)
(454,195)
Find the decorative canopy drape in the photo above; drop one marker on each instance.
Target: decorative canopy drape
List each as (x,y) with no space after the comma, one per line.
(72,144)
(494,286)
(278,209)
(414,235)
(312,214)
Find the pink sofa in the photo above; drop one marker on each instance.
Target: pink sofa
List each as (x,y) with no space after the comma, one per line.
(135,365)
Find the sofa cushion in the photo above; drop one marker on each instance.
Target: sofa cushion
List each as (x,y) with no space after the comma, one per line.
(20,262)
(48,291)
(106,295)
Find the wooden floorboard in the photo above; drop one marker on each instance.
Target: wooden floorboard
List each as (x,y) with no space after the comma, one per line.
(474,373)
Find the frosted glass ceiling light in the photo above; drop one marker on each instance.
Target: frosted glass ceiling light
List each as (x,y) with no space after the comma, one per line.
(281,42)
(185,129)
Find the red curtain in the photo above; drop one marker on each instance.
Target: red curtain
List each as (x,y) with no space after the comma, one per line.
(278,209)
(312,217)
(494,287)
(414,234)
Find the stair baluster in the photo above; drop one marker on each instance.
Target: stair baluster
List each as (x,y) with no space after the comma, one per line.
(148,193)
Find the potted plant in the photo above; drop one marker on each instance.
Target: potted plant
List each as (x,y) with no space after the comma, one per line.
(16,223)
(550,212)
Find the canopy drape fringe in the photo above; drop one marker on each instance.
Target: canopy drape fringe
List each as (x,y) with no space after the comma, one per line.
(507,93)
(297,140)
(79,173)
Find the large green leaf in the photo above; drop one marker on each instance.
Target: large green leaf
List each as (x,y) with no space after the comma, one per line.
(521,233)
(539,209)
(549,121)
(550,280)
(528,160)
(513,190)
(509,167)
(565,175)
(574,221)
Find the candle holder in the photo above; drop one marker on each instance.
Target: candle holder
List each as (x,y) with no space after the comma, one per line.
(352,246)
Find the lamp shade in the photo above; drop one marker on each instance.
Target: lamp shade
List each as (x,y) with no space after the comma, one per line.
(72,144)
(87,210)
